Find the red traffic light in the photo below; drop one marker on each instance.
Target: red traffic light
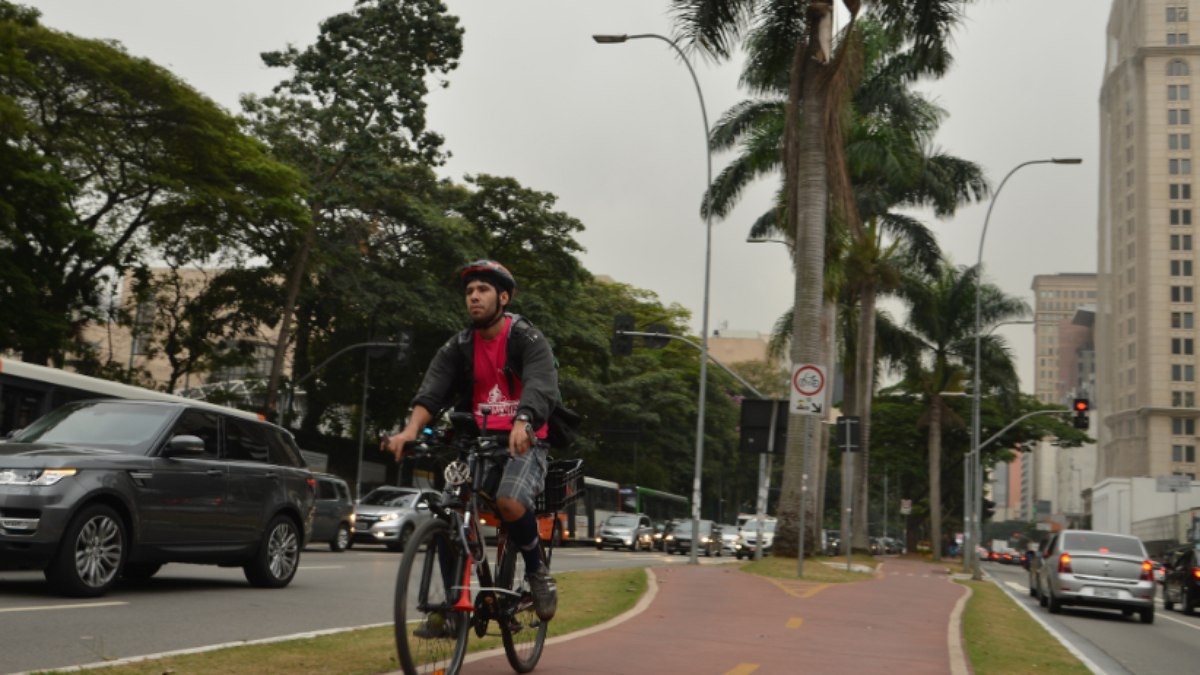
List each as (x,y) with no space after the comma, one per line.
(1081,405)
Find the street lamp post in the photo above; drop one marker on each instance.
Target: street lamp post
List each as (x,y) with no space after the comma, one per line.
(977,464)
(696,493)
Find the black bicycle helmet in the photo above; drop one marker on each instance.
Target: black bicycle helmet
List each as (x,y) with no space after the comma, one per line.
(490,271)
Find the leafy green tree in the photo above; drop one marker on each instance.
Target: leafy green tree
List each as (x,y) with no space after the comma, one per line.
(107,160)
(351,117)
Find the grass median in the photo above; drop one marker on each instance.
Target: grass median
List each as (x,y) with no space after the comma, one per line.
(585,599)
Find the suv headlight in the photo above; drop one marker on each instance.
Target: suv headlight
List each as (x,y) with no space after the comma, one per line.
(34,477)
(388,516)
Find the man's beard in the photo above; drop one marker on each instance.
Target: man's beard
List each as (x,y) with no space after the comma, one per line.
(489,320)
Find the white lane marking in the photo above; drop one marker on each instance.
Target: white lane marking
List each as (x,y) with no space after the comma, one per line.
(1181,622)
(1015,586)
(322,567)
(43,608)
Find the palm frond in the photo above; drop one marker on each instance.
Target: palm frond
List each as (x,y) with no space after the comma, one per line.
(712,27)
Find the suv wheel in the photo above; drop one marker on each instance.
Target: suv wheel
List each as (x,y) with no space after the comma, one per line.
(401,540)
(278,555)
(341,540)
(1189,607)
(90,555)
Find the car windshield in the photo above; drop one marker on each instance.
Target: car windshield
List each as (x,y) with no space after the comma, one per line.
(389,497)
(622,521)
(1099,542)
(111,425)
(752,526)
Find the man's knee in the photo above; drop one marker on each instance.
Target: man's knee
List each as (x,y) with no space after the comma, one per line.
(510,509)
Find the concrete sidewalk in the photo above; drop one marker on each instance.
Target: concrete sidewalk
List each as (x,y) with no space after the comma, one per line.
(717,619)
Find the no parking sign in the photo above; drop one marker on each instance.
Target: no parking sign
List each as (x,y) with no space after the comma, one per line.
(808,389)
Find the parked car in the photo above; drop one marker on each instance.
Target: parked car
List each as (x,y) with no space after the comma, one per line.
(333,515)
(389,515)
(1096,569)
(100,490)
(626,530)
(748,538)
(679,538)
(1181,581)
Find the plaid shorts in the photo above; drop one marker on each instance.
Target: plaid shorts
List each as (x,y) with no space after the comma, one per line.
(524,476)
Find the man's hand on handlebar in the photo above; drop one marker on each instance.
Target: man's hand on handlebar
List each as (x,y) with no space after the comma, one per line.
(395,444)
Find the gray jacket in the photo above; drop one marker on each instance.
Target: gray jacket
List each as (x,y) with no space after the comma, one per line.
(450,379)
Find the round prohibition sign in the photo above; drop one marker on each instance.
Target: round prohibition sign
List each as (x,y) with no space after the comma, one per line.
(808,381)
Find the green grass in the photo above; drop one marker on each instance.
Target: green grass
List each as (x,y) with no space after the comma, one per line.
(1000,637)
(584,599)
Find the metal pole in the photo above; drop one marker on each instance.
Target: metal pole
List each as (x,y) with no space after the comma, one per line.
(362,424)
(847,483)
(976,572)
(808,429)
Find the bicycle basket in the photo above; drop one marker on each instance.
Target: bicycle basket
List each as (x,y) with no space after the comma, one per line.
(564,486)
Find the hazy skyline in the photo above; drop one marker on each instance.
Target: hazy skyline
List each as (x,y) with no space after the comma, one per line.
(615,131)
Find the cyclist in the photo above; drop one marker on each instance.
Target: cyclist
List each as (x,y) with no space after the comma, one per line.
(501,363)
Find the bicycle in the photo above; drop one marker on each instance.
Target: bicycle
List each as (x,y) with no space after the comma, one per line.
(433,586)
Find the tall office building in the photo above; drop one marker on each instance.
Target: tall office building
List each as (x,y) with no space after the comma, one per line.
(1145,316)
(1063,347)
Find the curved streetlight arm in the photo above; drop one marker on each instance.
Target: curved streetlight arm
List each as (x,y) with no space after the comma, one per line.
(693,559)
(976,500)
(314,371)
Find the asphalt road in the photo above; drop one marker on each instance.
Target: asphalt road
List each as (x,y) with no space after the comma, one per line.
(1115,644)
(190,606)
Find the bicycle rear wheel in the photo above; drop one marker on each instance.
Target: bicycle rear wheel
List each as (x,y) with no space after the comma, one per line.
(431,636)
(522,631)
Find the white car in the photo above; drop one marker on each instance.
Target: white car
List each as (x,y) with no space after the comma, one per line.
(748,538)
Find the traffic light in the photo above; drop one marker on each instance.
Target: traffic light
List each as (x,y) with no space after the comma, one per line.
(987,509)
(622,345)
(1081,413)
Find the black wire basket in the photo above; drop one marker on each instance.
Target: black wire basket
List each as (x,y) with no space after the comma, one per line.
(564,486)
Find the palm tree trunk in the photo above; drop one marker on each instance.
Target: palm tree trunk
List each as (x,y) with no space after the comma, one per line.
(806,182)
(865,391)
(935,477)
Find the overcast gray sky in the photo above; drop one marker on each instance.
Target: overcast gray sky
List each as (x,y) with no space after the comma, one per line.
(615,130)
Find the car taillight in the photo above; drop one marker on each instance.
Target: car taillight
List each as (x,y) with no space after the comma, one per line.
(312,485)
(1064,564)
(1196,573)
(1147,571)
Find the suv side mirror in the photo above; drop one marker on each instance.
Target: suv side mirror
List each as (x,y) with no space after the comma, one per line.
(184,445)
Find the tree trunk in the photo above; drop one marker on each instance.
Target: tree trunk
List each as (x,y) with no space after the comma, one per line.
(299,269)
(806,182)
(865,391)
(935,477)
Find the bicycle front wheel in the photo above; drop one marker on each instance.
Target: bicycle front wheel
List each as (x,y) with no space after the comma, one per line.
(431,636)
(520,628)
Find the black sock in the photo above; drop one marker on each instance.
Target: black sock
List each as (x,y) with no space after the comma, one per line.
(523,533)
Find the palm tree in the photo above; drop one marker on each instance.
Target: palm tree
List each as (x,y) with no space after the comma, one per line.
(940,336)
(890,163)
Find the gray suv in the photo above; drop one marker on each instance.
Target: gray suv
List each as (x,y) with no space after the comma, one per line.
(99,490)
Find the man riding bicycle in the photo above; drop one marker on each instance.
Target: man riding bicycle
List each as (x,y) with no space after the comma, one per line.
(502,366)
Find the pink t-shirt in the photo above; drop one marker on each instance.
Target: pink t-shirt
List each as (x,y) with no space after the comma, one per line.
(491,385)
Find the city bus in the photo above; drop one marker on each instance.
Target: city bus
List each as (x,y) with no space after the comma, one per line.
(660,506)
(28,391)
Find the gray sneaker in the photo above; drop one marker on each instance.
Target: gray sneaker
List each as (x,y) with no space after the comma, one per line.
(544,592)
(437,626)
